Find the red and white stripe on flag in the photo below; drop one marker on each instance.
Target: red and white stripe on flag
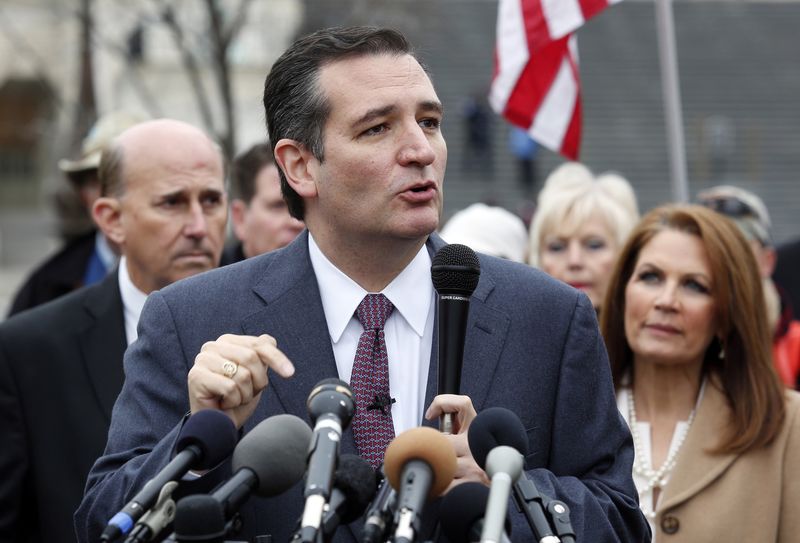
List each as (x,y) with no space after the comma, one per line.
(536,84)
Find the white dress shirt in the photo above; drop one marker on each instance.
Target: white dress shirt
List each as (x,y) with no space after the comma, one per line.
(132,301)
(408,330)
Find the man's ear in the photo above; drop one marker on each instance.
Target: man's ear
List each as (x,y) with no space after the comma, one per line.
(299,166)
(238,216)
(107,215)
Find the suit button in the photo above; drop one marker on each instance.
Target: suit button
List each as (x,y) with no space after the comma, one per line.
(670,524)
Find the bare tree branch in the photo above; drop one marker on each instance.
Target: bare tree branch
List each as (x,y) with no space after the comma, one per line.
(236,24)
(222,73)
(190,64)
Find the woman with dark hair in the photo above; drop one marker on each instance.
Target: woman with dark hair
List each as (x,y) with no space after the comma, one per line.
(717,438)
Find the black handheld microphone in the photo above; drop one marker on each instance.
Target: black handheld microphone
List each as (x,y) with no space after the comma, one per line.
(420,463)
(331,407)
(205,440)
(462,510)
(354,485)
(268,460)
(455,271)
(380,513)
(497,426)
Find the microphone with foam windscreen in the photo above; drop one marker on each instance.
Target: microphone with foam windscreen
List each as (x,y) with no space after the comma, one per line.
(206,439)
(331,407)
(498,426)
(354,485)
(455,272)
(420,463)
(268,461)
(461,513)
(199,518)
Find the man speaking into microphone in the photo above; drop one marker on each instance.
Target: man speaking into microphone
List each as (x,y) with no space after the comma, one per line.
(355,125)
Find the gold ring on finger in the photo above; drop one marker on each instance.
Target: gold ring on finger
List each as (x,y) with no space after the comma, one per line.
(229,368)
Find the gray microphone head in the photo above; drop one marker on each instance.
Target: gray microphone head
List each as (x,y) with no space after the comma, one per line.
(455,270)
(276,451)
(504,459)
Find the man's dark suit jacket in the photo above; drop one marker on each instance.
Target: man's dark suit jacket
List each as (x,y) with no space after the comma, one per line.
(60,372)
(532,346)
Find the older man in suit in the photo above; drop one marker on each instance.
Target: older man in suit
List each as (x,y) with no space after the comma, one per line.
(355,123)
(163,203)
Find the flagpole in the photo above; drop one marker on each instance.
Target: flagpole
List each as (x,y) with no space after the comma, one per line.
(665,29)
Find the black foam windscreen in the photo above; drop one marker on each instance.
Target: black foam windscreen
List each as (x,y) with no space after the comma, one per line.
(455,270)
(461,508)
(276,451)
(493,427)
(199,517)
(213,432)
(358,482)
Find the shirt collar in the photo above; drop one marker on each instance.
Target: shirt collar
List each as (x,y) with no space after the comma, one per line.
(132,298)
(410,292)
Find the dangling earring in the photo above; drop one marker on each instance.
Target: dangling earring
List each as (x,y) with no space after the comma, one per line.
(721,355)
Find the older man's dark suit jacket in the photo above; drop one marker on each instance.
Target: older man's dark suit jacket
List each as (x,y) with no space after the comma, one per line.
(60,373)
(532,346)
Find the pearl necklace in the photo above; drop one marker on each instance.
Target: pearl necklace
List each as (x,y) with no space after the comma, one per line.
(655,478)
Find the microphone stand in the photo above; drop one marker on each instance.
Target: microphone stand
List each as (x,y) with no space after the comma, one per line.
(158,518)
(544,515)
(559,515)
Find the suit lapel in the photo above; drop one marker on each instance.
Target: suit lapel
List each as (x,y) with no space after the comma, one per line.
(487,329)
(294,316)
(102,342)
(695,468)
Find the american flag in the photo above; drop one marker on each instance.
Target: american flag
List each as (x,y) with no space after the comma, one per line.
(536,84)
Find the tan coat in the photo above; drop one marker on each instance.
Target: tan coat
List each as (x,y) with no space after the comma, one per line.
(751,497)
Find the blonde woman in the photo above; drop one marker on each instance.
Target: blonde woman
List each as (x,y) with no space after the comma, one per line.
(581,222)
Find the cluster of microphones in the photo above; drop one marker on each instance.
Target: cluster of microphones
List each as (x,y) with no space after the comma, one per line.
(342,489)
(284,450)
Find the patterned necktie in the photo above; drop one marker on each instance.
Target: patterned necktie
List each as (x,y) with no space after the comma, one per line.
(373,426)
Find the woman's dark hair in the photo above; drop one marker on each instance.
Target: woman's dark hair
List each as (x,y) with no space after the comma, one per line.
(746,373)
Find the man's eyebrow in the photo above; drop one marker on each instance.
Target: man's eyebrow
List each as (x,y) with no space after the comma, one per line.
(207,191)
(373,114)
(170,193)
(376,113)
(432,105)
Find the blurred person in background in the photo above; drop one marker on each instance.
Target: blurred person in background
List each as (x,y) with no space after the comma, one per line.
(750,214)
(717,437)
(86,258)
(524,149)
(489,230)
(162,202)
(260,216)
(787,272)
(581,223)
